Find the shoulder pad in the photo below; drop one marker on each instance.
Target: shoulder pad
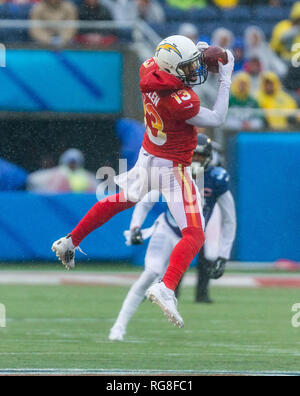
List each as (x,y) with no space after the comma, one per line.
(220,176)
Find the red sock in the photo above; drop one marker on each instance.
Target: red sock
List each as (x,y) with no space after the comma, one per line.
(183,254)
(100,213)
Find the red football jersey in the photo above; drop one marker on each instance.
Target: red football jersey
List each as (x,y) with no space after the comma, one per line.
(168,103)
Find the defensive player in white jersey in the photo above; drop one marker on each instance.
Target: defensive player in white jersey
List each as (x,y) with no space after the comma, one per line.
(172,113)
(166,234)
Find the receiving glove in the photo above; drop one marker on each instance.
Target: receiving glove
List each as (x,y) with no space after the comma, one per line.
(217,268)
(225,71)
(136,237)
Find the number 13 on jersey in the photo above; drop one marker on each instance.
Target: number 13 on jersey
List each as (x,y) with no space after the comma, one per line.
(154,125)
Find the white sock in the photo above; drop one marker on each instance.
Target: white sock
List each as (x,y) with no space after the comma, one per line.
(135,297)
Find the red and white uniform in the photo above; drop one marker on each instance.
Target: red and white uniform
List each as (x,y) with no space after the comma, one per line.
(168,147)
(171,112)
(168,104)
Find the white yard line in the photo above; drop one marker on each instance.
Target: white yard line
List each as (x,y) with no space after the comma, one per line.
(126,279)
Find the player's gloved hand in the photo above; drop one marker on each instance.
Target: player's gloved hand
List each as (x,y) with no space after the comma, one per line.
(202,45)
(217,268)
(136,237)
(197,170)
(225,71)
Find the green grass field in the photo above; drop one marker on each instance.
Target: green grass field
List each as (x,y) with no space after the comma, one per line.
(66,327)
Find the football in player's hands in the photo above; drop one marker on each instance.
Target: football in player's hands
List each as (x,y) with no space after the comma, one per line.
(212,55)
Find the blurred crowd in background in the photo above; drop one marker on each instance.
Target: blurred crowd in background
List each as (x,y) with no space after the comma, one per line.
(69,175)
(263,35)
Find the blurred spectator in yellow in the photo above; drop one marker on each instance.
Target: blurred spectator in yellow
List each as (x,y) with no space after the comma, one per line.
(242,105)
(189,30)
(226,3)
(69,176)
(187,4)
(241,91)
(286,33)
(53,10)
(279,104)
(94,10)
(223,38)
(257,47)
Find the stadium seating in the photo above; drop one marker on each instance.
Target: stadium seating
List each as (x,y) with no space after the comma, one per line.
(206,19)
(271,14)
(235,19)
(241,14)
(288,2)
(15,11)
(203,15)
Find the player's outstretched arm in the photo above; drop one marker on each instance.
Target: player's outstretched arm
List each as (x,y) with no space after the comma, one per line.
(134,236)
(217,116)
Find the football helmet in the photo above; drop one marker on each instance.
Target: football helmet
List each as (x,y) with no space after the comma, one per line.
(204,148)
(178,55)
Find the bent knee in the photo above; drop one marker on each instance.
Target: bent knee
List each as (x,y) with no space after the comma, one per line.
(149,276)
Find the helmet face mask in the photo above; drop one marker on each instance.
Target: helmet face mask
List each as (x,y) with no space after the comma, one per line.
(204,149)
(204,163)
(193,71)
(179,56)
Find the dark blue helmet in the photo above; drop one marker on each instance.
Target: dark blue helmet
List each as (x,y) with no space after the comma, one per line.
(204,148)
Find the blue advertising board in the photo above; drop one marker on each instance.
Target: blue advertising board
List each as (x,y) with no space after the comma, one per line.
(61,81)
(265,170)
(30,223)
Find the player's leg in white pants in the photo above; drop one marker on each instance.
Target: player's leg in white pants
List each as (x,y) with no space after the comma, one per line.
(160,247)
(213,235)
(210,252)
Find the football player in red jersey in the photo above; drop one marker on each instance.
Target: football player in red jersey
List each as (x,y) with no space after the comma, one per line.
(172,111)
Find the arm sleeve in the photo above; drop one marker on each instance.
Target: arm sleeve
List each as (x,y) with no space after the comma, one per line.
(228,230)
(217,116)
(142,209)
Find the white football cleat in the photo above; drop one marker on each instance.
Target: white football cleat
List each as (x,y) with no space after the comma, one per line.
(65,251)
(166,300)
(117,333)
